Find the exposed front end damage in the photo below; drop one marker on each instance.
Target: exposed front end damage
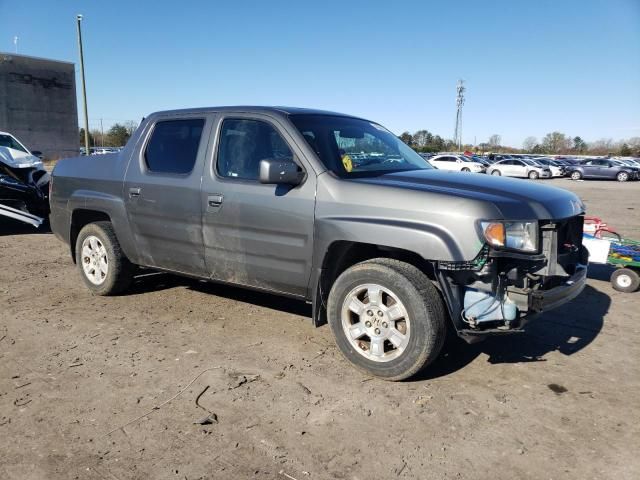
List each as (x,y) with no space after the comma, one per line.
(500,290)
(24,193)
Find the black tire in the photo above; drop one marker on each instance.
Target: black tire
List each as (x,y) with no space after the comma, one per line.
(533,175)
(575,175)
(423,305)
(496,172)
(622,176)
(120,270)
(625,280)
(465,169)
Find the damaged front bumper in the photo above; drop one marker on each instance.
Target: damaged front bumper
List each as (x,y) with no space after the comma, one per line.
(538,301)
(500,291)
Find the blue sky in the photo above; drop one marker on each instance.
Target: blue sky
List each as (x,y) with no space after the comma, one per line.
(531,67)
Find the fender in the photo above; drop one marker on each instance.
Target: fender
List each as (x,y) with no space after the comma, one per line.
(112,206)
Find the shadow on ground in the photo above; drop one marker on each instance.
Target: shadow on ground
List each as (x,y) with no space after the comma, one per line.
(150,281)
(9,227)
(567,329)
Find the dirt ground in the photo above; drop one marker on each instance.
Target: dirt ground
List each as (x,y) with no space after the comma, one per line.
(111,388)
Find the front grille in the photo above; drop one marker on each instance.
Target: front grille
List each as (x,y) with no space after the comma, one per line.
(569,234)
(561,246)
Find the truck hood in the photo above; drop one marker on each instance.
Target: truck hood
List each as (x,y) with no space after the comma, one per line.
(19,159)
(515,199)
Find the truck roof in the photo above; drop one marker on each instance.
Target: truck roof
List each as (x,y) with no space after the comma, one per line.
(254,109)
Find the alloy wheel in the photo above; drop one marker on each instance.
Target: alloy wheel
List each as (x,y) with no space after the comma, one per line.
(95,263)
(375,322)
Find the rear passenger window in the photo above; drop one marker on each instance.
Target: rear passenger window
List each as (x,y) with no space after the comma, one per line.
(243,143)
(173,146)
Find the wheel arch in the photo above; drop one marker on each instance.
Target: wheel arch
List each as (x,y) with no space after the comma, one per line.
(342,254)
(81,217)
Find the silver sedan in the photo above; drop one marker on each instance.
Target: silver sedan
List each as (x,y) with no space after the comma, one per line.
(516,167)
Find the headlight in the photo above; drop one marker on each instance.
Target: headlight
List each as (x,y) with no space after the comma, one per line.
(521,236)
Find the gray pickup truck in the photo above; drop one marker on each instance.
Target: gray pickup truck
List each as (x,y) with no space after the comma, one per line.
(327,208)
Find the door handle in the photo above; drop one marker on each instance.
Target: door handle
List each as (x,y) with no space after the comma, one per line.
(215,200)
(134,192)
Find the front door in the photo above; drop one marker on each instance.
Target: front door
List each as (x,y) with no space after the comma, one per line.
(519,168)
(162,194)
(591,168)
(255,234)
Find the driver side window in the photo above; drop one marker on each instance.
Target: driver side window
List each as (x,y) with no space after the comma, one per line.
(243,143)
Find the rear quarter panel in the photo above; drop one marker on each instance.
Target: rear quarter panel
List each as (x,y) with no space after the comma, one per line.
(93,182)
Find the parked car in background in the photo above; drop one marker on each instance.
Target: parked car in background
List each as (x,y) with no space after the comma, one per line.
(478,159)
(622,163)
(522,168)
(628,161)
(557,169)
(458,163)
(602,169)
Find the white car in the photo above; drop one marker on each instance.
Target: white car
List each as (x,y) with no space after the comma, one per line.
(458,163)
(15,155)
(556,169)
(516,167)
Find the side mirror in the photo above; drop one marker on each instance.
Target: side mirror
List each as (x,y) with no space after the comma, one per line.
(37,153)
(276,171)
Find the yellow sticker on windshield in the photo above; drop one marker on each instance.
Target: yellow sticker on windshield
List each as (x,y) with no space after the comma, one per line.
(348,164)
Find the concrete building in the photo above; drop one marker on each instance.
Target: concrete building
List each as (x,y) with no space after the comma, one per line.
(38,104)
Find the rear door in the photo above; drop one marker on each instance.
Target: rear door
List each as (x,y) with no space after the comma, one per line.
(255,234)
(162,193)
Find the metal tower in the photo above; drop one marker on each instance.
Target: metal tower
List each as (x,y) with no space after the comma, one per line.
(457,136)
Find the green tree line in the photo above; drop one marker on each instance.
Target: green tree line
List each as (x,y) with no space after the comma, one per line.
(116,136)
(553,143)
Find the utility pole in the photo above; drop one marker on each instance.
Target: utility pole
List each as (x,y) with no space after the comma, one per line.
(460,89)
(84,88)
(102,133)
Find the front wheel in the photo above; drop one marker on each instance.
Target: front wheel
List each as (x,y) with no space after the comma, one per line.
(387,318)
(103,266)
(465,169)
(622,176)
(576,175)
(625,280)
(496,173)
(533,175)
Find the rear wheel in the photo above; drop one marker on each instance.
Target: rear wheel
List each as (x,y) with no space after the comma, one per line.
(576,175)
(387,318)
(625,280)
(496,173)
(533,175)
(103,266)
(622,176)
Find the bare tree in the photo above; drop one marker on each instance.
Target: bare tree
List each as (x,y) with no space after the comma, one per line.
(529,144)
(422,138)
(556,142)
(494,140)
(131,126)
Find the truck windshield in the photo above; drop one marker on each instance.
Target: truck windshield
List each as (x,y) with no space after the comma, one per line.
(351,147)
